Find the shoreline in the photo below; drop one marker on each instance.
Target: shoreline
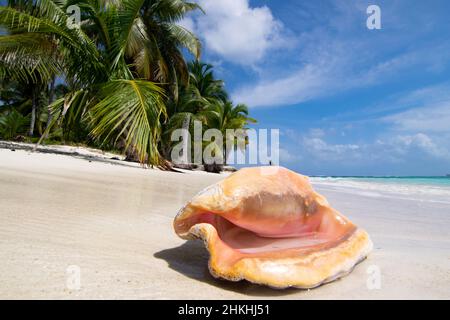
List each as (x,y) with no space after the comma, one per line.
(115,224)
(422,192)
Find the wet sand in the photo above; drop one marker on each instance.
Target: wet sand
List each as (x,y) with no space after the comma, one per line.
(113,223)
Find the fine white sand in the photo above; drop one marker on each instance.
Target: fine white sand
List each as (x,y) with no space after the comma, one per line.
(113,223)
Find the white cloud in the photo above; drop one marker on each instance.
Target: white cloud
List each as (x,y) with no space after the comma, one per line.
(319,148)
(305,84)
(338,56)
(332,57)
(316,132)
(237,32)
(427,95)
(401,145)
(396,148)
(430,119)
(428,110)
(327,71)
(286,156)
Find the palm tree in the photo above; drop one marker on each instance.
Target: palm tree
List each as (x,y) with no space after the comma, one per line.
(111,63)
(202,90)
(204,86)
(230,121)
(162,40)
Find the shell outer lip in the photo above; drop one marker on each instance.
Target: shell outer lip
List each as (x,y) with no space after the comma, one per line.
(362,245)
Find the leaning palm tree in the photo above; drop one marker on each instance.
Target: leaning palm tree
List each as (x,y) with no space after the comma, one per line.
(110,61)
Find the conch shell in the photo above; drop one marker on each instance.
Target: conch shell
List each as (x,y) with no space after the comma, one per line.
(268,226)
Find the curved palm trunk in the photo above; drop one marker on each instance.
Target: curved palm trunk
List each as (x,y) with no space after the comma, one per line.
(185,136)
(51,98)
(33,110)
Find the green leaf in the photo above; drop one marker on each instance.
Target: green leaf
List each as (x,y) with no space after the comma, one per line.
(132,110)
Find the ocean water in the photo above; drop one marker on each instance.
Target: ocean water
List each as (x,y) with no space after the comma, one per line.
(436,189)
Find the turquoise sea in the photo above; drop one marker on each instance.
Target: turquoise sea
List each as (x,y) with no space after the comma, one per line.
(413,187)
(443,181)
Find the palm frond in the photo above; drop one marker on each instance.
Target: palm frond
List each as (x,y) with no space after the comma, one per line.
(185,38)
(130,109)
(122,27)
(28,58)
(173,10)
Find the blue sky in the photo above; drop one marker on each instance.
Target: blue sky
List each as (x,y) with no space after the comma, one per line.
(347,100)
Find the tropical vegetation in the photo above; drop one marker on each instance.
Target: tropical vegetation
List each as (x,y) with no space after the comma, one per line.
(115,74)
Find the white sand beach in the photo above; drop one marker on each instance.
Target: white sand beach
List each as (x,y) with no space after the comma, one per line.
(114,223)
